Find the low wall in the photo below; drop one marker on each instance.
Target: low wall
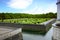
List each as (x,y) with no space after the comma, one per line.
(43,27)
(17,25)
(48,24)
(15,37)
(12,31)
(56,31)
(31,28)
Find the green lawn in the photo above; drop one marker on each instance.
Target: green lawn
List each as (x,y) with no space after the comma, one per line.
(27,20)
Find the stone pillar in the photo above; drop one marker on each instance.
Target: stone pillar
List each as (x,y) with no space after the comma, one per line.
(56,32)
(58,10)
(56,25)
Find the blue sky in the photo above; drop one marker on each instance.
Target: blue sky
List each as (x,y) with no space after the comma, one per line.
(28,6)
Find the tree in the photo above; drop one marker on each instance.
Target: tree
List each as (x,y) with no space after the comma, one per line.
(2,16)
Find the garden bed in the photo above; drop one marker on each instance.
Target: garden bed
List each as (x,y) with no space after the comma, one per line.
(26,20)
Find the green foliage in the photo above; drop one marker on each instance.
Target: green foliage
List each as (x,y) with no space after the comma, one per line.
(23,15)
(27,20)
(2,16)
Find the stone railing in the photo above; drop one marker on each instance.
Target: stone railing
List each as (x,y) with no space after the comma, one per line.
(10,31)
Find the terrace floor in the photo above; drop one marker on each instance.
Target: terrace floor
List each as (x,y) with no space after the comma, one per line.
(4,30)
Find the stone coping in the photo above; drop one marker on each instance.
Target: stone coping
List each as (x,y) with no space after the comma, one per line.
(9,29)
(48,22)
(54,25)
(17,25)
(8,32)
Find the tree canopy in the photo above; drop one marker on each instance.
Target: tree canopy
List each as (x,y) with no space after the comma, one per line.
(24,15)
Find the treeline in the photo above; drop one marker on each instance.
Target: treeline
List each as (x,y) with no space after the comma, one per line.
(23,15)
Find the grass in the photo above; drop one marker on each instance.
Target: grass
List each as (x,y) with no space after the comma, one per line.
(26,20)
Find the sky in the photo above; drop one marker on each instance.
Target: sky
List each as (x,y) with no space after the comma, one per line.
(28,6)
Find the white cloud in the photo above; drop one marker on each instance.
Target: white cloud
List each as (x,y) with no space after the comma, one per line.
(39,10)
(51,8)
(22,4)
(19,4)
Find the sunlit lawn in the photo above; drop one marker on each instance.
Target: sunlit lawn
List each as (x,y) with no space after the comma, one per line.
(26,20)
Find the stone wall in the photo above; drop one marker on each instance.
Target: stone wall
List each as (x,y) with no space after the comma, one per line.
(14,34)
(56,32)
(39,27)
(15,37)
(48,24)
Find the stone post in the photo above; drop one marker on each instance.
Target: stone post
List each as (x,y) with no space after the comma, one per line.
(56,25)
(58,10)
